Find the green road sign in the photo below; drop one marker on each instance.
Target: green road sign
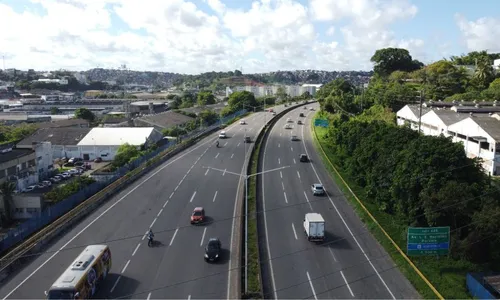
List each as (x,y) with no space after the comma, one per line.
(428,240)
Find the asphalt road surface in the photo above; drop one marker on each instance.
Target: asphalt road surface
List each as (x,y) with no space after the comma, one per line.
(163,200)
(350,264)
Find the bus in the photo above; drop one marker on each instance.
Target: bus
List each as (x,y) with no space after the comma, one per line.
(81,278)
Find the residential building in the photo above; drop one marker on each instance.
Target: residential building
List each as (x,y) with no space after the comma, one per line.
(59,81)
(19,166)
(44,160)
(104,141)
(436,122)
(77,123)
(410,114)
(164,120)
(64,140)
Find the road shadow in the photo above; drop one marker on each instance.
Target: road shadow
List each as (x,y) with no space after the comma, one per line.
(334,241)
(157,244)
(125,288)
(208,221)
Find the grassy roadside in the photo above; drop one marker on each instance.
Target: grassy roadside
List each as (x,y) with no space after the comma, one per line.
(254,280)
(447,275)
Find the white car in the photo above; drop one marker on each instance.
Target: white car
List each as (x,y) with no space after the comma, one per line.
(222,135)
(30,188)
(288,120)
(318,189)
(74,171)
(46,183)
(311,109)
(65,175)
(288,126)
(242,122)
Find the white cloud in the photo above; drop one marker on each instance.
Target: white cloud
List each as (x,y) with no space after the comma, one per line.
(179,37)
(482,34)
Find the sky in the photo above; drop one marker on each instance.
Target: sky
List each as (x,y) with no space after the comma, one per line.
(255,36)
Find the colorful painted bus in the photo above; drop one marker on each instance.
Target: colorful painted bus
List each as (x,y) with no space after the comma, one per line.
(81,278)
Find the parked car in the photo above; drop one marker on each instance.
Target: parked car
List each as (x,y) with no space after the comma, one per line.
(98,160)
(65,175)
(46,183)
(30,188)
(40,186)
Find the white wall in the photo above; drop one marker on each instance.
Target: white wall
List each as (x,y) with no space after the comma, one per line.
(433,125)
(25,206)
(45,159)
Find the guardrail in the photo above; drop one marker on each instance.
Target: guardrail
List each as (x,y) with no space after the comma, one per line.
(262,136)
(34,243)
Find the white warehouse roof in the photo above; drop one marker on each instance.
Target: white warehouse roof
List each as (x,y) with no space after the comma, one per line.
(115,136)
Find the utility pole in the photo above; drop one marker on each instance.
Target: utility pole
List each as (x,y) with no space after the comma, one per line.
(420,110)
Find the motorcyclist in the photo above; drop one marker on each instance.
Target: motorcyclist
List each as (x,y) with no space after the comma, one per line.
(150,235)
(217,144)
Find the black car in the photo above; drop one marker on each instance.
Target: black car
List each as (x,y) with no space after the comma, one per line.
(213,249)
(303,158)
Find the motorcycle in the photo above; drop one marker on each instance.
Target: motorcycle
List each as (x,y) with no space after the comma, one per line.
(150,241)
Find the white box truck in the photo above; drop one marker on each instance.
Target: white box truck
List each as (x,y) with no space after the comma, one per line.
(314,227)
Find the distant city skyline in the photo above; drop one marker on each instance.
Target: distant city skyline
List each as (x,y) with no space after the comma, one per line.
(192,37)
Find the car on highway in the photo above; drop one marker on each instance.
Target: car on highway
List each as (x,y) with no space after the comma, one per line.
(247,139)
(294,138)
(305,107)
(274,113)
(317,189)
(222,135)
(288,126)
(213,249)
(198,215)
(299,122)
(289,120)
(242,122)
(303,158)
(311,109)
(301,115)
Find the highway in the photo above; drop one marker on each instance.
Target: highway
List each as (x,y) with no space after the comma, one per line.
(350,264)
(163,200)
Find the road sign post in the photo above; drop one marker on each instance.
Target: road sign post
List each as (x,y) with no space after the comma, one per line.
(428,241)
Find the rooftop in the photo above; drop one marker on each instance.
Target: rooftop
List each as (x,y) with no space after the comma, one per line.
(64,123)
(65,136)
(450,117)
(415,109)
(14,154)
(115,136)
(166,119)
(488,124)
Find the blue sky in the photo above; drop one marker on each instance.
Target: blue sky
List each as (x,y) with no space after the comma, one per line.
(204,35)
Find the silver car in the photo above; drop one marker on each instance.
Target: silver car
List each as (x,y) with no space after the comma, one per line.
(317,189)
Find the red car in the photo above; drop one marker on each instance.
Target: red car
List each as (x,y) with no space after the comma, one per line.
(198,215)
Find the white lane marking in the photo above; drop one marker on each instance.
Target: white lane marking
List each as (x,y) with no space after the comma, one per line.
(171,195)
(347,283)
(294,161)
(184,177)
(298,174)
(238,145)
(224,173)
(278,145)
(175,190)
(151,226)
(307,199)
(279,161)
(251,128)
(232,155)
(311,284)
(347,226)
(333,255)
(126,265)
(225,144)
(102,214)
(192,197)
(166,202)
(283,186)
(144,236)
(137,248)
(281,175)
(203,236)
(172,240)
(215,196)
(291,148)
(280,133)
(159,213)
(189,297)
(286,200)
(149,296)
(206,172)
(295,232)
(217,155)
(112,289)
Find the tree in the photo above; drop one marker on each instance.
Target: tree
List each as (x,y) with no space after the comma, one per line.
(208,117)
(444,79)
(389,60)
(242,99)
(188,100)
(85,114)
(205,98)
(125,154)
(55,111)
(7,188)
(306,95)
(281,94)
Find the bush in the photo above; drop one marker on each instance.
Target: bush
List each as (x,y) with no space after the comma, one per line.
(72,187)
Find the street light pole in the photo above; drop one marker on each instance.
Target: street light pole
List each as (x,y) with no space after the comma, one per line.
(246,177)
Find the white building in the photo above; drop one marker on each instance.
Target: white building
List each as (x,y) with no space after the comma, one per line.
(59,81)
(410,114)
(44,159)
(104,141)
(19,166)
(436,122)
(270,90)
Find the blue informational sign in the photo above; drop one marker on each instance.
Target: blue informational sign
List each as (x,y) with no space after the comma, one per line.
(428,241)
(321,122)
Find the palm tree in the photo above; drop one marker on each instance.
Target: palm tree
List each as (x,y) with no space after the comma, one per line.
(7,188)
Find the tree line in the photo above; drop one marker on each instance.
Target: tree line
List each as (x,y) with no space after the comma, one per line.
(419,180)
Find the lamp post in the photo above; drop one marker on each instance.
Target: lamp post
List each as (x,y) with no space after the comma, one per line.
(246,177)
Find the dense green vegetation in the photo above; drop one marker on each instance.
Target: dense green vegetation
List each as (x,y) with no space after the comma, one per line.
(407,179)
(9,134)
(64,191)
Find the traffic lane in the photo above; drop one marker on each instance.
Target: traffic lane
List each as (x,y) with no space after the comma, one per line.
(166,224)
(94,229)
(292,253)
(399,286)
(190,241)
